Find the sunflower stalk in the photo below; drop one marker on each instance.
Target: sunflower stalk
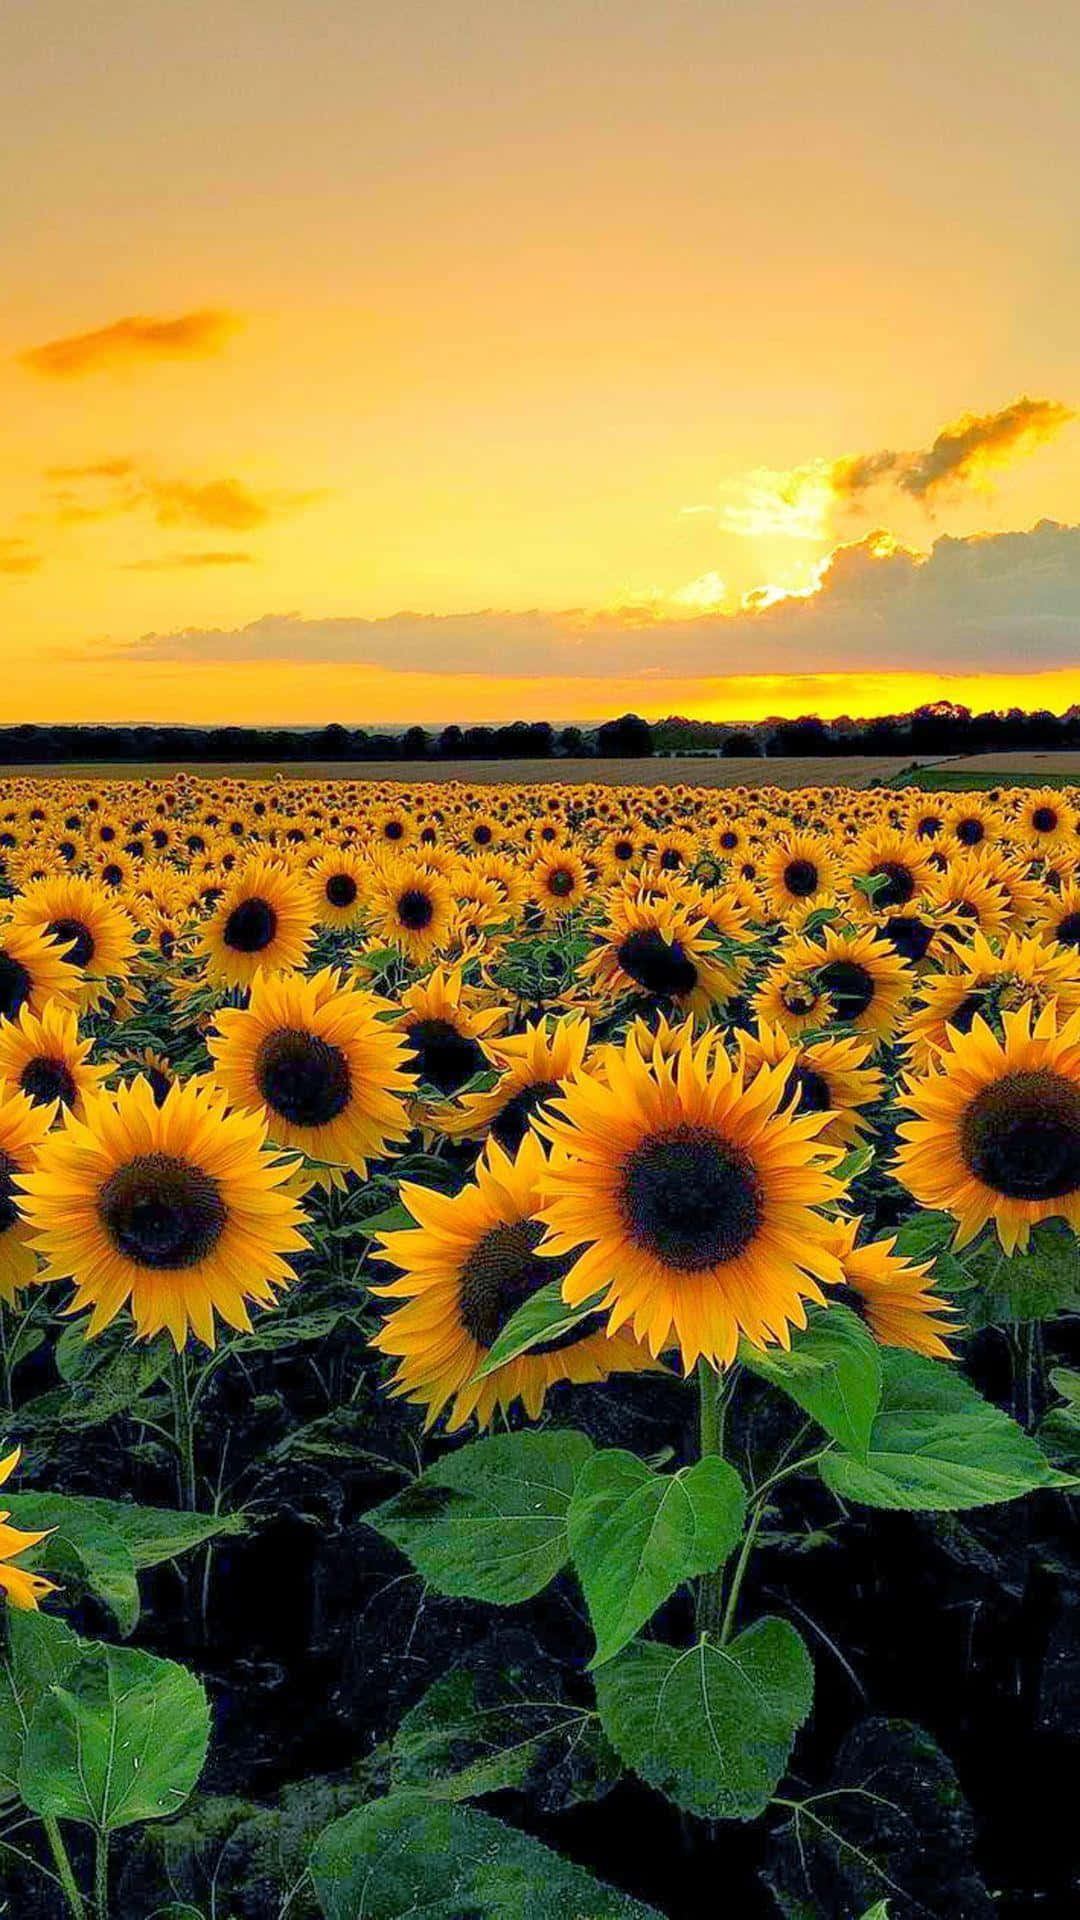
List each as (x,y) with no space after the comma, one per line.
(63,1867)
(714,1393)
(184,1429)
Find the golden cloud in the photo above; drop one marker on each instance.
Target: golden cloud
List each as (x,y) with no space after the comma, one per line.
(17,558)
(133,341)
(213,557)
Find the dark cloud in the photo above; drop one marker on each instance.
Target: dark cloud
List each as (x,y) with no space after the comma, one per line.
(136,340)
(996,601)
(964,452)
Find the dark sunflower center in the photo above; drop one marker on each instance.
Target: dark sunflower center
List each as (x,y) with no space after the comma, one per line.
(899,883)
(112,874)
(660,966)
(910,938)
(798,996)
(849,986)
(560,882)
(929,827)
(302,1077)
(512,1122)
(9,1213)
(670,859)
(729,840)
(962,1017)
(691,1199)
(415,910)
(801,878)
(250,926)
(1021,1136)
(482,836)
(501,1273)
(341,890)
(15,985)
(44,1080)
(970,832)
(162,1212)
(623,850)
(393,830)
(443,1057)
(1067,931)
(813,1089)
(77,938)
(1044,819)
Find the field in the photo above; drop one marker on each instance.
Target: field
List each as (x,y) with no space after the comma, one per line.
(857,771)
(539,1342)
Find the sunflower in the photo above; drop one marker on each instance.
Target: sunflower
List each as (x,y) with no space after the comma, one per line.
(620,851)
(315,1059)
(23,1127)
(466,1269)
(890,1294)
(23,1589)
(445,1031)
(863,976)
(791,996)
(1058,919)
(339,879)
(176,1210)
(156,1067)
(559,881)
(981,980)
(32,971)
(262,921)
(660,949)
(996,1133)
(690,1200)
(44,1056)
(971,822)
(1043,820)
(829,1075)
(534,1067)
(411,907)
(797,873)
(886,872)
(96,937)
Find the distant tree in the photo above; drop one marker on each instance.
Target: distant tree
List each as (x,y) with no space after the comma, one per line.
(414,744)
(572,742)
(450,743)
(741,746)
(629,738)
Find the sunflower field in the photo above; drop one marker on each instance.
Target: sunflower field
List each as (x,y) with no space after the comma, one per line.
(538,1349)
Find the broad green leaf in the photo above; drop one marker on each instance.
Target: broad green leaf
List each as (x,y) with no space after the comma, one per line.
(635,1536)
(406,1857)
(392,1220)
(1034,1285)
(120,1738)
(833,1372)
(938,1445)
(83,1546)
(475,1733)
(854,1162)
(489,1522)
(1066,1381)
(40,1650)
(879,1911)
(544,1317)
(711,1727)
(924,1234)
(107,1377)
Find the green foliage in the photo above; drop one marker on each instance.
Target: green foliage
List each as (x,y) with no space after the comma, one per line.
(407,1856)
(833,1372)
(490,1522)
(120,1738)
(40,1651)
(635,1536)
(937,1444)
(710,1726)
(544,1316)
(1034,1285)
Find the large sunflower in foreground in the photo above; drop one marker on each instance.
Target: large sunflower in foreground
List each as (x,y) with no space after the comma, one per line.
(891,1294)
(317,1062)
(996,1132)
(96,937)
(176,1211)
(466,1269)
(23,1127)
(22,1588)
(690,1200)
(263,920)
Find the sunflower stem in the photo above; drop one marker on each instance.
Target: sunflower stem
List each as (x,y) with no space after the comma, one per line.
(101,1875)
(1028,1384)
(185,1429)
(713,1393)
(63,1866)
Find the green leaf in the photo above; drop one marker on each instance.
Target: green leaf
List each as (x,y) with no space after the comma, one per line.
(120,1739)
(406,1857)
(879,1911)
(833,1372)
(545,1316)
(924,1234)
(475,1732)
(938,1445)
(40,1651)
(107,1376)
(391,1220)
(711,1727)
(489,1522)
(1034,1285)
(1066,1381)
(635,1536)
(854,1162)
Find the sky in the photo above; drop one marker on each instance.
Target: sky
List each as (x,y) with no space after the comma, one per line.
(473,360)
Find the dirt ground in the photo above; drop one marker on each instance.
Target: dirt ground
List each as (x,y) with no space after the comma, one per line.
(659,772)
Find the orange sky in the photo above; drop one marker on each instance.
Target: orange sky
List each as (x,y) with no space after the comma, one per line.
(623,317)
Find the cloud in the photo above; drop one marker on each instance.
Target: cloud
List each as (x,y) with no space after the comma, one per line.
(106,489)
(213,557)
(809,501)
(17,558)
(967,605)
(136,340)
